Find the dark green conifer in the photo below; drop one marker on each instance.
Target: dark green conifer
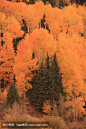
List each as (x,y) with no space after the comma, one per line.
(46,85)
(36,94)
(56,85)
(12,95)
(47,80)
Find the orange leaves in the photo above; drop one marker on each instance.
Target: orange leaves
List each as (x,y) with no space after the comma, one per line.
(70,57)
(7,57)
(7,38)
(5,93)
(39,8)
(45,40)
(3,22)
(14,31)
(73,19)
(47,107)
(30,16)
(53,18)
(23,66)
(80,27)
(66,27)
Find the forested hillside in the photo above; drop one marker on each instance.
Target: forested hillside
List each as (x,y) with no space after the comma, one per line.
(28,32)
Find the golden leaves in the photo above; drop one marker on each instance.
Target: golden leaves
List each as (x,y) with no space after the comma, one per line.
(5,93)
(14,31)
(47,107)
(22,64)
(70,56)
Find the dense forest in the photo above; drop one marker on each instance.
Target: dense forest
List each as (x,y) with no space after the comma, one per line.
(43,50)
(54,3)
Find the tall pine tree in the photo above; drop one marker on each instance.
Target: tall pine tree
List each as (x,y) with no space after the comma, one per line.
(56,85)
(47,77)
(46,85)
(36,94)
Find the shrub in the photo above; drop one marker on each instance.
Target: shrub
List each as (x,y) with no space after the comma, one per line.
(56,122)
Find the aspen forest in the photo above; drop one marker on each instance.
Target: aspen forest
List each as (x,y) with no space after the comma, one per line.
(43,62)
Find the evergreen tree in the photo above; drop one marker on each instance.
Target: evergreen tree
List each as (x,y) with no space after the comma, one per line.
(47,77)
(36,94)
(56,85)
(12,95)
(40,86)
(46,85)
(53,80)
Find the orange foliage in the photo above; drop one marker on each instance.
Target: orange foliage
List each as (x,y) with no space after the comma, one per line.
(7,57)
(14,31)
(22,64)
(5,93)
(73,75)
(47,107)
(41,41)
(66,27)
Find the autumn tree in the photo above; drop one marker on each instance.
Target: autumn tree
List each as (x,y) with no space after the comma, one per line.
(39,11)
(23,66)
(75,89)
(14,32)
(3,22)
(7,56)
(41,42)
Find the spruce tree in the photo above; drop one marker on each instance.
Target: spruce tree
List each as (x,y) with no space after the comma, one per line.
(53,80)
(46,85)
(12,95)
(56,85)
(36,94)
(47,80)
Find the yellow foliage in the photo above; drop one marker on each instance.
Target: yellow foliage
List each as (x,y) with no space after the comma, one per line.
(47,107)
(5,93)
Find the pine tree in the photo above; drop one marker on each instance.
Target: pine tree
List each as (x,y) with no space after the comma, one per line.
(36,94)
(56,85)
(47,80)
(12,95)
(46,85)
(53,81)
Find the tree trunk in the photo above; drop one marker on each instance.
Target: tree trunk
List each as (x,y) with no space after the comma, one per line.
(69,111)
(24,95)
(4,84)
(73,109)
(39,54)
(40,23)
(45,26)
(7,18)
(28,28)
(74,1)
(0,84)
